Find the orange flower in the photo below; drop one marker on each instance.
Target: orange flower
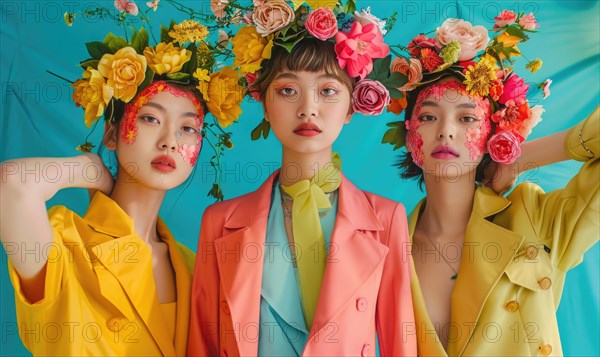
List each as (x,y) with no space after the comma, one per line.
(397,105)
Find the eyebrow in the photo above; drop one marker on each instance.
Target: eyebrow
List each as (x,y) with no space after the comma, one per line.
(164,110)
(292,75)
(435,104)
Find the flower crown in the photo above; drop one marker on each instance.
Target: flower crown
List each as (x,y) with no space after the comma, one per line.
(119,68)
(486,70)
(358,38)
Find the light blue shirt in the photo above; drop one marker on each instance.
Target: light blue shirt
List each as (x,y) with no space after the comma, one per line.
(283,331)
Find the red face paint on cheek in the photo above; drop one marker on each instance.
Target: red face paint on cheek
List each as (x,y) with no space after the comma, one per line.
(190,153)
(476,138)
(415,142)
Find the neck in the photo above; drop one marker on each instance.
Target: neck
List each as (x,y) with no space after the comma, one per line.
(297,166)
(448,207)
(140,203)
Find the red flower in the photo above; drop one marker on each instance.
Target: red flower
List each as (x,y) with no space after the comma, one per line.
(513,116)
(504,147)
(357,49)
(430,59)
(418,43)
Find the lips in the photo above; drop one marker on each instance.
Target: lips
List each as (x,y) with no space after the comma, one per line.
(307,129)
(164,163)
(444,152)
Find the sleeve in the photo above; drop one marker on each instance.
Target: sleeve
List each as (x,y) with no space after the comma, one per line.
(203,339)
(30,315)
(395,315)
(568,218)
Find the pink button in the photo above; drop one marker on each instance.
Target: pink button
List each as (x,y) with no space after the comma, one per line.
(361,304)
(366,350)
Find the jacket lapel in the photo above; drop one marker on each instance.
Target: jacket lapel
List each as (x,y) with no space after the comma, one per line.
(353,256)
(129,260)
(240,260)
(487,252)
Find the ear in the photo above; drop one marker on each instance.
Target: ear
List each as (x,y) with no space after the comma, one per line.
(265,112)
(349,117)
(110,136)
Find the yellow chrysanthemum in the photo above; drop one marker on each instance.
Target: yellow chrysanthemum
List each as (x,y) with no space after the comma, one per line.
(166,58)
(188,31)
(480,78)
(223,95)
(534,65)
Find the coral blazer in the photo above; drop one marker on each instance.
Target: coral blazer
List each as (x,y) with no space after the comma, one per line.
(366,287)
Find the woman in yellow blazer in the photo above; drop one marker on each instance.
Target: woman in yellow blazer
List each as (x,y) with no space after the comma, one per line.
(113,282)
(489,270)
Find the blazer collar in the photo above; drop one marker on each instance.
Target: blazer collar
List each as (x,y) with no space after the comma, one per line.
(488,249)
(105,216)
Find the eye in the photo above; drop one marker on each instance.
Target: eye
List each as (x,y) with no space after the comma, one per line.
(149,119)
(427,117)
(469,119)
(329,92)
(190,129)
(287,91)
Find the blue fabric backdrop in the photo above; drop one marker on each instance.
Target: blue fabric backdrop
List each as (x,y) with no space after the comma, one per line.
(39,119)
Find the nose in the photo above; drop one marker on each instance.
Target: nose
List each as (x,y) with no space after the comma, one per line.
(308,107)
(446,130)
(168,140)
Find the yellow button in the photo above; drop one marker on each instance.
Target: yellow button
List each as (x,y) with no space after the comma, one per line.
(545,283)
(116,323)
(511,306)
(531,252)
(545,350)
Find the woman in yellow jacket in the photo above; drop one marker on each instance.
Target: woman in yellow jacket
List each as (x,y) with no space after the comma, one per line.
(489,270)
(113,282)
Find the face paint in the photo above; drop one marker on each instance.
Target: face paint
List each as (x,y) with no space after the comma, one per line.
(476,137)
(128,126)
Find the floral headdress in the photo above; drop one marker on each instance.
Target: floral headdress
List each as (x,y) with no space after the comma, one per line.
(119,68)
(358,38)
(486,70)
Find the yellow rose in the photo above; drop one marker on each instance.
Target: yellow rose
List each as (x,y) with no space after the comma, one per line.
(166,58)
(250,49)
(92,94)
(223,95)
(125,71)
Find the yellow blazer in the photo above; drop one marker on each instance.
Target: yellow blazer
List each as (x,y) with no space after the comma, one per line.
(516,253)
(100,297)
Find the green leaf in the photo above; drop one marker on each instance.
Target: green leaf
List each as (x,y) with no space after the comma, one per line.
(395,135)
(289,46)
(190,66)
(395,93)
(89,63)
(139,40)
(216,192)
(515,30)
(262,129)
(149,75)
(179,76)
(164,33)
(97,49)
(381,68)
(395,80)
(350,7)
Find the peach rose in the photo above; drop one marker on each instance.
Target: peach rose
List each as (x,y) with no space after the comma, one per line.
(472,39)
(218,7)
(506,17)
(528,22)
(411,68)
(321,24)
(272,16)
(125,71)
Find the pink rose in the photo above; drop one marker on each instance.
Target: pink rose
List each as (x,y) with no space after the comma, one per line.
(504,147)
(515,88)
(534,119)
(321,24)
(506,17)
(472,39)
(356,50)
(218,7)
(370,97)
(272,16)
(411,68)
(528,22)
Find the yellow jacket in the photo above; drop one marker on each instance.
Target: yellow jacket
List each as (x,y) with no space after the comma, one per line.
(516,253)
(100,298)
